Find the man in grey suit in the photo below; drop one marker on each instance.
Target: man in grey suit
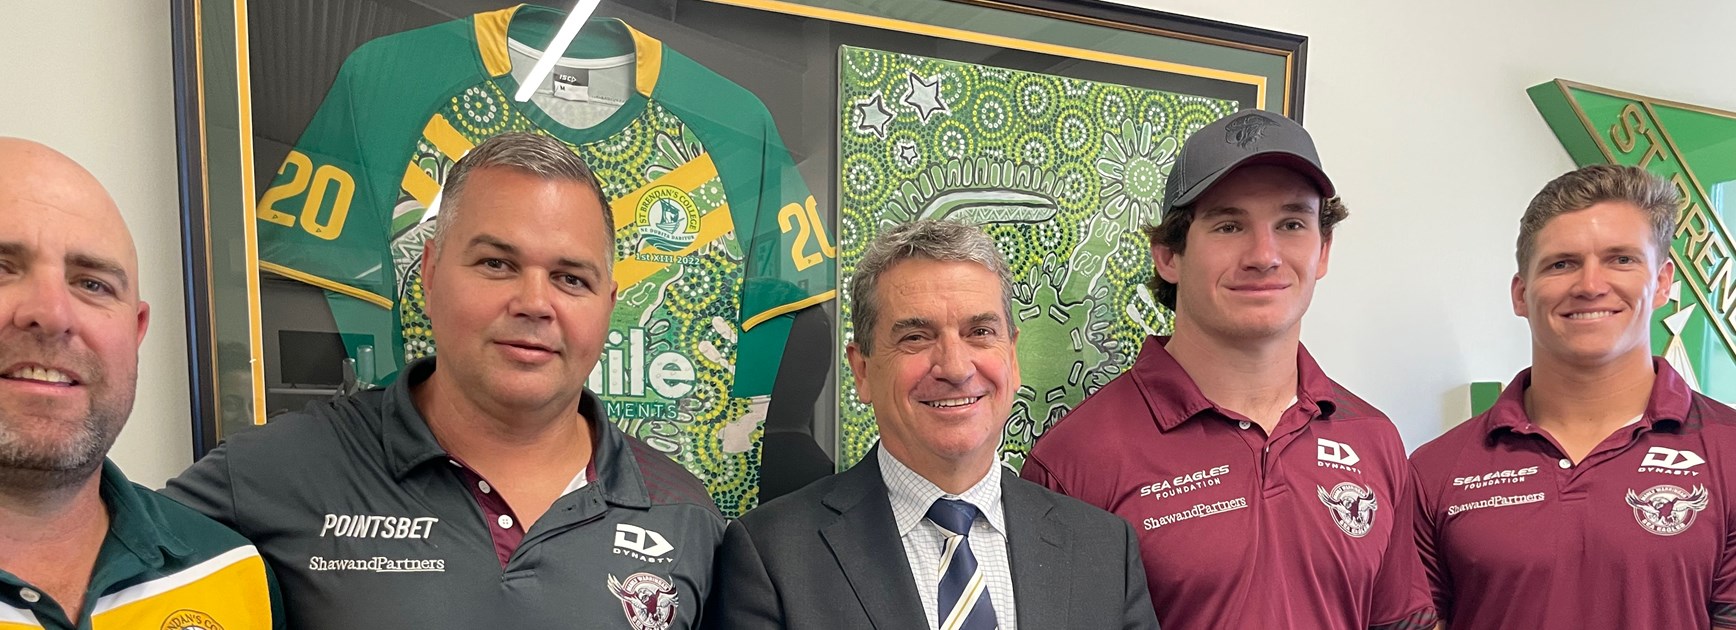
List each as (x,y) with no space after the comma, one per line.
(927,531)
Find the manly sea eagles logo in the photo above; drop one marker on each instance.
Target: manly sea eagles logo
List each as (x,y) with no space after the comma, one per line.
(1247,130)
(648,600)
(1352,507)
(1667,510)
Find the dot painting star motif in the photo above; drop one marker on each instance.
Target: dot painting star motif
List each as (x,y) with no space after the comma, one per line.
(924,95)
(872,116)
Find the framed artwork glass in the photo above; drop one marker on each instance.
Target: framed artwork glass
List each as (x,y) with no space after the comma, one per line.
(749,149)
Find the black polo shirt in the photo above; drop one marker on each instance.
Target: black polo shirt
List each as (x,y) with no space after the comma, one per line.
(368,523)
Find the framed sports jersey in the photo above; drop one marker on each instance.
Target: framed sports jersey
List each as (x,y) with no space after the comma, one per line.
(316,136)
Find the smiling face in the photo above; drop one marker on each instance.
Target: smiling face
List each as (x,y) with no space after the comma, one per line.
(943,368)
(519,293)
(70,317)
(1591,285)
(1254,252)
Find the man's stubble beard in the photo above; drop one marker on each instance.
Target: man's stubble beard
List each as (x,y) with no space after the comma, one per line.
(29,464)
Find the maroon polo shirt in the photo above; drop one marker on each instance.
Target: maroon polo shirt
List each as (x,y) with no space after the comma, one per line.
(1303,528)
(1638,535)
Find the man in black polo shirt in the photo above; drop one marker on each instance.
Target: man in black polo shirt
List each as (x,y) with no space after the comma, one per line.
(489,490)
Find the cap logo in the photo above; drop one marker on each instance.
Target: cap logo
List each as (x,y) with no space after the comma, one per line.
(1247,130)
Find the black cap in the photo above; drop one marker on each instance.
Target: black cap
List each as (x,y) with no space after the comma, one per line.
(1242,139)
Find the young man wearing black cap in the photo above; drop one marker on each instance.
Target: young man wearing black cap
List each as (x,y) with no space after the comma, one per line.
(1265,495)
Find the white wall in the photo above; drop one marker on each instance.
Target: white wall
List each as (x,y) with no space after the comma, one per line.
(92,79)
(1419,110)
(1420,114)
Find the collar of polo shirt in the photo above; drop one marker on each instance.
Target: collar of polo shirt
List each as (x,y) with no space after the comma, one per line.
(1174,398)
(1669,402)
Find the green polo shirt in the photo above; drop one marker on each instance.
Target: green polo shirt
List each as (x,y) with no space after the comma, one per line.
(162,565)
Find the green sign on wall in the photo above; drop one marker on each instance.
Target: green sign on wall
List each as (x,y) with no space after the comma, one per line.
(1695,148)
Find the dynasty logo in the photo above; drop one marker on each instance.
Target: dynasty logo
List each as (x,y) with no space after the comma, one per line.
(1352,507)
(1337,455)
(1670,461)
(642,544)
(1667,510)
(649,601)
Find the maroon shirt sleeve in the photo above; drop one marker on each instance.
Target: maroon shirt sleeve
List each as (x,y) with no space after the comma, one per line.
(1724,586)
(1035,472)
(1435,576)
(1401,592)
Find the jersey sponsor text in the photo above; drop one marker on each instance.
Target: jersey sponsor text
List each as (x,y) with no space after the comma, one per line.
(378,564)
(1516,475)
(624,371)
(1197,511)
(1183,484)
(368,526)
(1497,501)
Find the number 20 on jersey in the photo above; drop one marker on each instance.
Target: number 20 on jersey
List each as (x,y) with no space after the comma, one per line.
(325,184)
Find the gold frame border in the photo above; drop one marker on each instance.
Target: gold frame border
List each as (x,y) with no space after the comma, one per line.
(250,229)
(945,32)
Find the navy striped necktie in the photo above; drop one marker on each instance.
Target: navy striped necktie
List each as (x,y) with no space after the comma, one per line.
(964,592)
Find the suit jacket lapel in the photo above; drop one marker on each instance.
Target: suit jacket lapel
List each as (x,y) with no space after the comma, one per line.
(865,542)
(1037,550)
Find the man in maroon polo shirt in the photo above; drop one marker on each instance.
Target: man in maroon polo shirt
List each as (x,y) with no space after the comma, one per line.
(1265,494)
(1593,494)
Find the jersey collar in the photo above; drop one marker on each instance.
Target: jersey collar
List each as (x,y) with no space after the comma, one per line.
(410,444)
(1670,401)
(535,26)
(133,522)
(1173,397)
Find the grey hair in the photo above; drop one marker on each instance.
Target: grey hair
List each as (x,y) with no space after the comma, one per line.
(531,153)
(1588,186)
(923,239)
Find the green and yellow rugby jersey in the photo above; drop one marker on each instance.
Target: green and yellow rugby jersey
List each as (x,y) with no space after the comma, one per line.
(718,237)
(162,565)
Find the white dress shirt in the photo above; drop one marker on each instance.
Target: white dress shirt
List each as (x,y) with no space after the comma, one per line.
(911,497)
